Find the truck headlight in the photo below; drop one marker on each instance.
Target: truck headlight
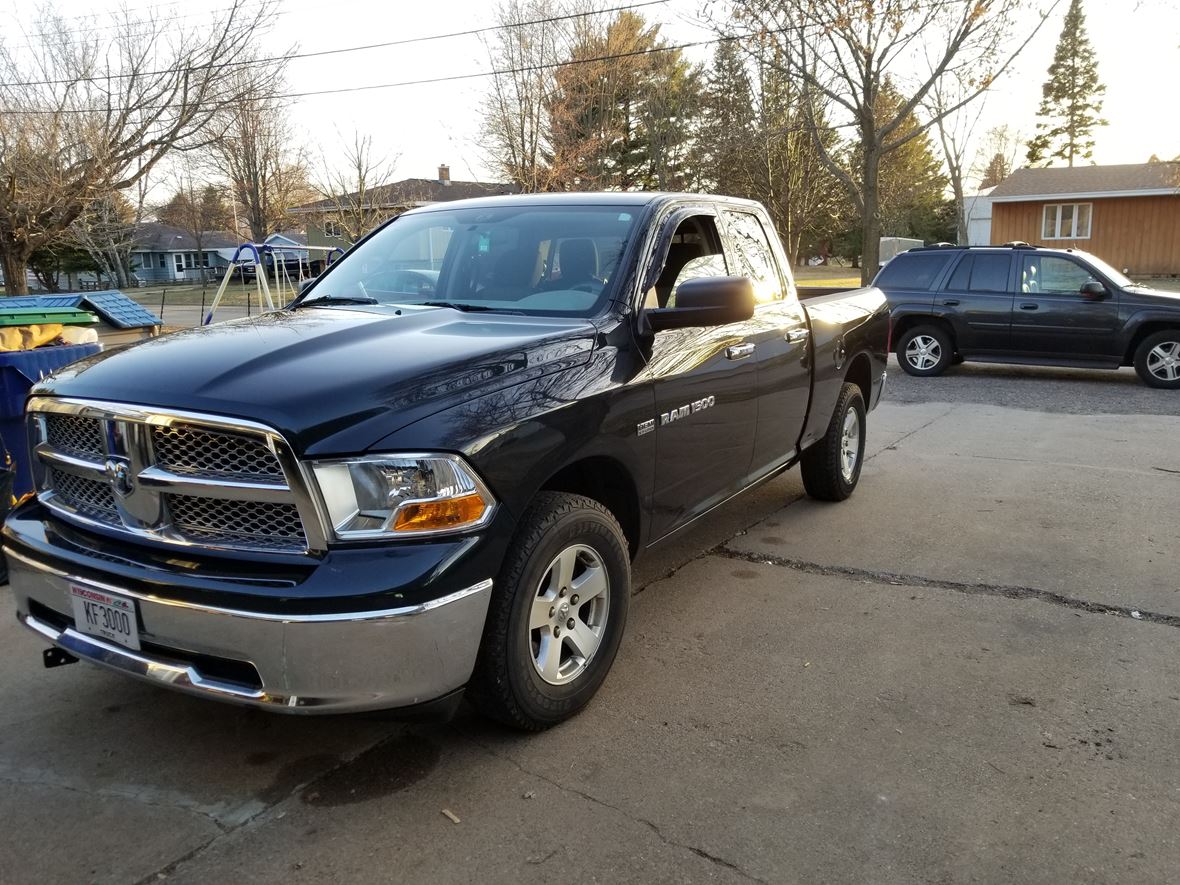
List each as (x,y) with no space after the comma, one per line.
(383,496)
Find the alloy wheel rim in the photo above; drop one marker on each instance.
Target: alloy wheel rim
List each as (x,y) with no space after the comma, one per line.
(923,352)
(850,445)
(568,614)
(1164,361)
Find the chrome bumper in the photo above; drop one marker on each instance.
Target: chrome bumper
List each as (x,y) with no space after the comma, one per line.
(329,663)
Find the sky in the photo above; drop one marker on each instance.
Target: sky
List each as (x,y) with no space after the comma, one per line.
(1136,42)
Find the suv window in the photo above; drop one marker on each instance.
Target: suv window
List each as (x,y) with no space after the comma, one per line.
(982,272)
(1052,274)
(913,270)
(754,256)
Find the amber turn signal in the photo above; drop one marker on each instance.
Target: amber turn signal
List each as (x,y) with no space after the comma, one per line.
(448,513)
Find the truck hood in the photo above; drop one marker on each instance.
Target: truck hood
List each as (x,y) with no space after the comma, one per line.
(332,380)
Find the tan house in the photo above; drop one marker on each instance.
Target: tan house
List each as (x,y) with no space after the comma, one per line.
(390,200)
(1127,215)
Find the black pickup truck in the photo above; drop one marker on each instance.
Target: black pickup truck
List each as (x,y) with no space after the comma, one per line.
(1028,304)
(432,471)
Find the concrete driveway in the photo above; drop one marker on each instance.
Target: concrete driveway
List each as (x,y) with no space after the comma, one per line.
(967,673)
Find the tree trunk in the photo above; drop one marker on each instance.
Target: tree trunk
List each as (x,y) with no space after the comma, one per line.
(15,266)
(870,247)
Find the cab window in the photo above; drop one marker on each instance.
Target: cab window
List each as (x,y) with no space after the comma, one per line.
(693,252)
(753,255)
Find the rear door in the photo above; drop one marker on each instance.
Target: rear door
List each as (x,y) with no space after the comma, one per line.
(1052,319)
(780,335)
(977,299)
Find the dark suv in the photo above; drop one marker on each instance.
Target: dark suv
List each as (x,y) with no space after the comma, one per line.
(1027,304)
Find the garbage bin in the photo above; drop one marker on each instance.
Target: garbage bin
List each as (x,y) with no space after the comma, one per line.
(19,371)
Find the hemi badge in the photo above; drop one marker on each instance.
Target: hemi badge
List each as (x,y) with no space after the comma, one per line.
(645,426)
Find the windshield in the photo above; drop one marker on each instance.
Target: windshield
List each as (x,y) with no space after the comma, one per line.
(547,260)
(1117,277)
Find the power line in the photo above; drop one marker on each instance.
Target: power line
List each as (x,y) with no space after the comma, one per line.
(346,49)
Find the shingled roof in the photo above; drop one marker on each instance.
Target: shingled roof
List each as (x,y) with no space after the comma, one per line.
(151,236)
(417,192)
(1129,180)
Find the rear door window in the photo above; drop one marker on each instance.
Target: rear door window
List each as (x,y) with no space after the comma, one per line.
(754,256)
(984,272)
(916,271)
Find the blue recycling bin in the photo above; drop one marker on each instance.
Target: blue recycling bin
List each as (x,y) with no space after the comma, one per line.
(19,371)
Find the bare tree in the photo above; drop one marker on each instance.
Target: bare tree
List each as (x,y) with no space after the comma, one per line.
(955,131)
(841,51)
(80,119)
(267,175)
(106,230)
(197,207)
(353,189)
(523,55)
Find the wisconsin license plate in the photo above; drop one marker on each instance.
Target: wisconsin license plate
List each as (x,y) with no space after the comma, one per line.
(105,615)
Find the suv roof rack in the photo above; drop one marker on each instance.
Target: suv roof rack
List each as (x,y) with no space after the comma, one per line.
(1020,244)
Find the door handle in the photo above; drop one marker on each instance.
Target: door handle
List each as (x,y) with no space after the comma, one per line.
(797,335)
(1029,306)
(739,351)
(951,302)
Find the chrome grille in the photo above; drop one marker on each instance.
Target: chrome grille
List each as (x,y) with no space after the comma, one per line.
(74,434)
(89,496)
(237,521)
(188,449)
(172,477)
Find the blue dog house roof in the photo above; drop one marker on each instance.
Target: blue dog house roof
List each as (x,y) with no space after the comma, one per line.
(112,306)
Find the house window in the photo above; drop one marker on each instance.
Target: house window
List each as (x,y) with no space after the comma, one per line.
(163,261)
(1066,221)
(332,229)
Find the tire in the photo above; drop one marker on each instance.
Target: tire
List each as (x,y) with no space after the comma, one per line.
(918,346)
(830,470)
(528,676)
(1157,360)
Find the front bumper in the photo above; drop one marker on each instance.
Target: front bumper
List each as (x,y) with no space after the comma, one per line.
(333,663)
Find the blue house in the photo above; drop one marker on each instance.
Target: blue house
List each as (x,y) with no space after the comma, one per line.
(165,254)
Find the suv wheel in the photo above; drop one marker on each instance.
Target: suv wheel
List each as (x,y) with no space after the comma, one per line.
(925,351)
(831,467)
(556,615)
(1157,360)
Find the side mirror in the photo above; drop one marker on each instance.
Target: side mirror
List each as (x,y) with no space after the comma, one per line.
(706,301)
(1093,291)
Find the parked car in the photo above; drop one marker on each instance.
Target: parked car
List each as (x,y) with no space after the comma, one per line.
(1028,304)
(372,500)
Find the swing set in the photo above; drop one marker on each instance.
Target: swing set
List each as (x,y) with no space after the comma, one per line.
(286,289)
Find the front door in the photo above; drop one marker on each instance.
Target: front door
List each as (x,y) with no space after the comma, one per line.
(1052,319)
(781,337)
(704,385)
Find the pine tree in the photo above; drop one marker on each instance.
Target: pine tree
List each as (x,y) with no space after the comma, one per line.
(1071,104)
(995,171)
(726,140)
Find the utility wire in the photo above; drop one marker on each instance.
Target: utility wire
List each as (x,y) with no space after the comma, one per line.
(346,49)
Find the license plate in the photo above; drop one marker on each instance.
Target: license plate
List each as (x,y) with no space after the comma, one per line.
(106,615)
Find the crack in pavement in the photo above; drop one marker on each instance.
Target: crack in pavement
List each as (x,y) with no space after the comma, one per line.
(1006,591)
(897,442)
(651,825)
(261,815)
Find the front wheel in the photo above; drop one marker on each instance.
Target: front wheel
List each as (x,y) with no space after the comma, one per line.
(925,350)
(556,615)
(831,467)
(1157,360)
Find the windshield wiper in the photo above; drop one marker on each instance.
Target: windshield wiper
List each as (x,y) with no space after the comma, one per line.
(460,305)
(339,299)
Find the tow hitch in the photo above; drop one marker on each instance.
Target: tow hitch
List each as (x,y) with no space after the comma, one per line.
(55,657)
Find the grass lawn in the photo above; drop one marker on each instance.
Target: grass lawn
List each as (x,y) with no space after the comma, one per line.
(833,275)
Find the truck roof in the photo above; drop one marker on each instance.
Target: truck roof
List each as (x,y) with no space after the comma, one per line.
(583,198)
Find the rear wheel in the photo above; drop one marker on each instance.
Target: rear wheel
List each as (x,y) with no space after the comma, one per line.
(925,350)
(1157,360)
(831,467)
(556,616)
